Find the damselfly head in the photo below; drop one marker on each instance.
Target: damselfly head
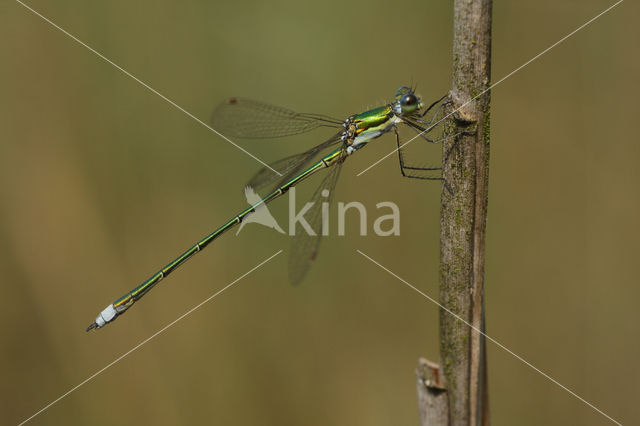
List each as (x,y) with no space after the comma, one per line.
(407,100)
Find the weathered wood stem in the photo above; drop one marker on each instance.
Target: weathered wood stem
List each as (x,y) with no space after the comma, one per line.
(433,408)
(463,218)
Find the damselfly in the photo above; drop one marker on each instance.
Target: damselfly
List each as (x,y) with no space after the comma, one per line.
(245,118)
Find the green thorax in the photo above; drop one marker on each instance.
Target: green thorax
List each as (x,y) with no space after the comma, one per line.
(373,119)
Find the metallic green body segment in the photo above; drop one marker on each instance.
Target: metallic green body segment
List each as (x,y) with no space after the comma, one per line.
(126,301)
(301,176)
(373,118)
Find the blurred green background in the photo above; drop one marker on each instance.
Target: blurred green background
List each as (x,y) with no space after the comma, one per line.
(102,182)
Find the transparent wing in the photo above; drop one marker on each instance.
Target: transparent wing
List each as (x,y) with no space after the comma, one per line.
(290,166)
(245,118)
(304,247)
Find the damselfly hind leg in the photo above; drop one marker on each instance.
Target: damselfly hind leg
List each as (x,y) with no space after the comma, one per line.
(414,172)
(424,173)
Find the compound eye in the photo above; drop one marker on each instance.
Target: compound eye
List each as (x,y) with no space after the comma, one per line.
(409,102)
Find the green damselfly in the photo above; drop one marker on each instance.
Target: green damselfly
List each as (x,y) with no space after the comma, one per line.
(246,118)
